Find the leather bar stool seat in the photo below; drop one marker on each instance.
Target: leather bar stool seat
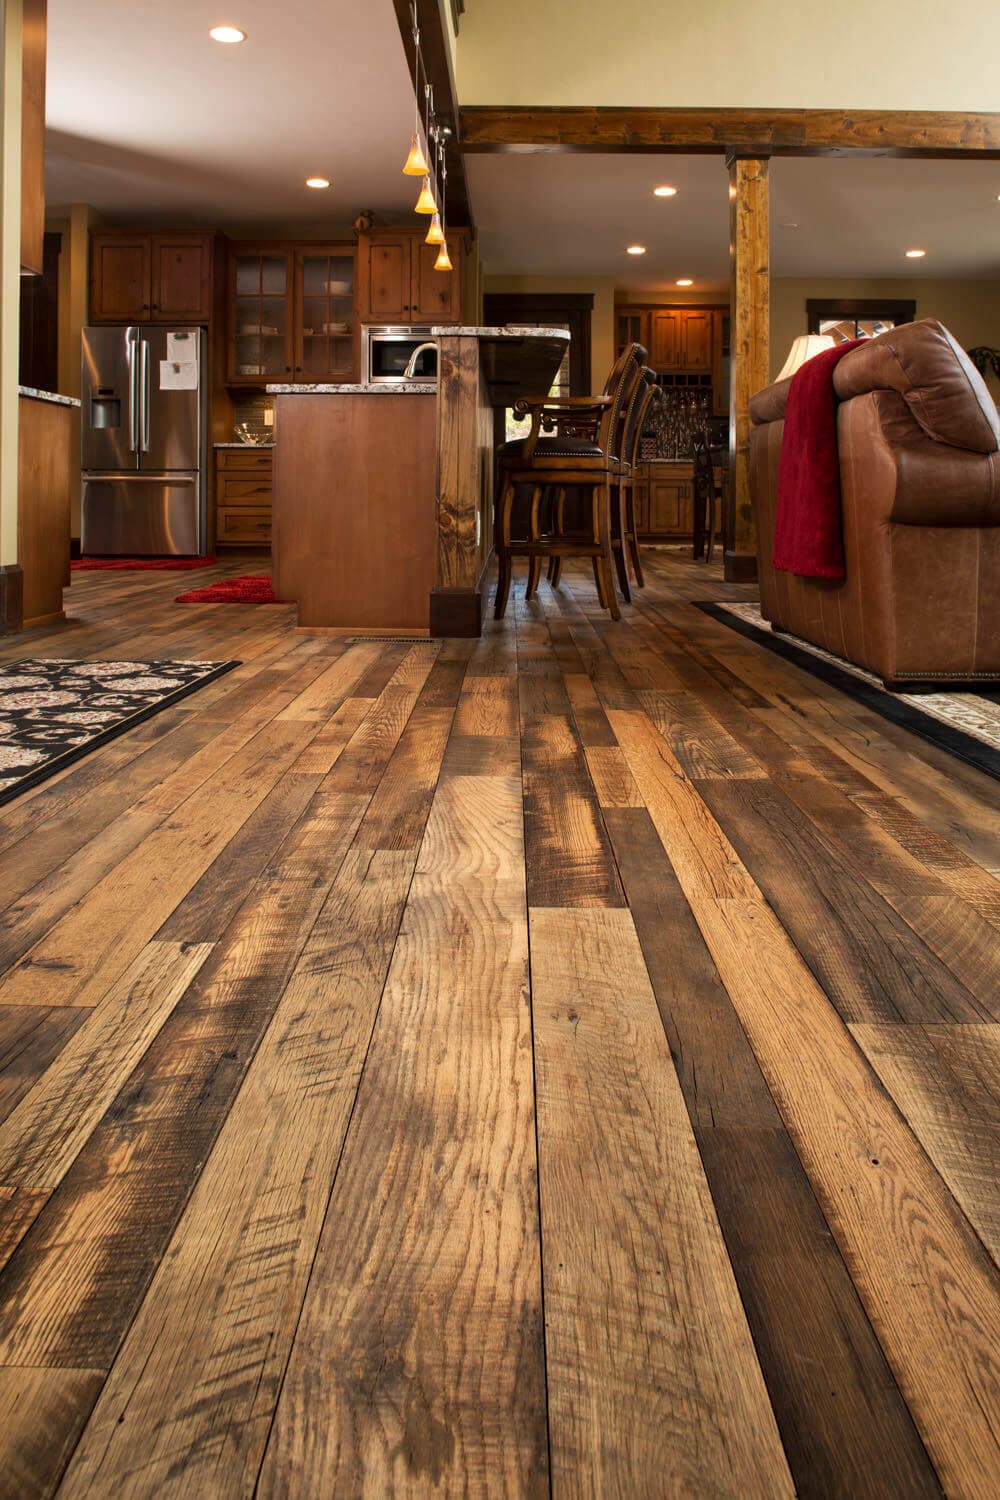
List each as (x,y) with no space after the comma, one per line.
(552,447)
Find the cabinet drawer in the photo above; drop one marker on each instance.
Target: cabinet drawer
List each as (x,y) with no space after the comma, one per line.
(240,489)
(251,524)
(233,458)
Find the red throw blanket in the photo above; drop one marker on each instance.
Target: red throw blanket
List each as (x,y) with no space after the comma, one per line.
(808,537)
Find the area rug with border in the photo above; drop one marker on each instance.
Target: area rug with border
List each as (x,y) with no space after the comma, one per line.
(140,564)
(54,711)
(963,721)
(251,589)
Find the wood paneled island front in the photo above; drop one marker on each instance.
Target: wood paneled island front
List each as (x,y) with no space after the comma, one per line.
(383,494)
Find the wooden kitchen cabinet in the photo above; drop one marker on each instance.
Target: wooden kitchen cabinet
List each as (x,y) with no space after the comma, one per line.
(243,492)
(146,277)
(397,282)
(679,339)
(665,343)
(292,314)
(181,284)
(119,278)
(632,328)
(664,502)
(696,340)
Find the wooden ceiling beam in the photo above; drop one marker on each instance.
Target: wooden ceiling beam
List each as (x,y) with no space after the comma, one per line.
(749,132)
(437,60)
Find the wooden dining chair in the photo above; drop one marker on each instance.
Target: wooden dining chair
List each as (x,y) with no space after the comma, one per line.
(645,395)
(574,441)
(624,531)
(707,498)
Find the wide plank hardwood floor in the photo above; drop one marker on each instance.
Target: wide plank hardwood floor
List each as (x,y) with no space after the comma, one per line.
(566,1062)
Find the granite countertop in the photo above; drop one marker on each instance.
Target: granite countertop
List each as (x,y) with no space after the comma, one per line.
(397,388)
(450,331)
(56,400)
(249,446)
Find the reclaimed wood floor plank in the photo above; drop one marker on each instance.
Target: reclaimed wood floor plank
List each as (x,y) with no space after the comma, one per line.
(946,1081)
(426,1314)
(653,1383)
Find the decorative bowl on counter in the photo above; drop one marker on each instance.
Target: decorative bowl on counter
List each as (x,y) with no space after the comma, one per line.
(252,436)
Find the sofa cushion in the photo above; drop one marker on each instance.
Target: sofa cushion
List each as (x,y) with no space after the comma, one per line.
(942,388)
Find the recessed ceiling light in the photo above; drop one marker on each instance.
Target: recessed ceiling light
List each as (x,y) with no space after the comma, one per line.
(636,250)
(915,254)
(317,182)
(229,34)
(685,281)
(664,192)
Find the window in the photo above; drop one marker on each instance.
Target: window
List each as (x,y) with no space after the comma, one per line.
(863,318)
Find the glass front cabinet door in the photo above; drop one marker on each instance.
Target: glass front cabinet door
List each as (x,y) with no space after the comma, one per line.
(261,346)
(325,323)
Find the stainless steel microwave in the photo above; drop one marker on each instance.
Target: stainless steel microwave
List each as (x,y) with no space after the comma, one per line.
(386,350)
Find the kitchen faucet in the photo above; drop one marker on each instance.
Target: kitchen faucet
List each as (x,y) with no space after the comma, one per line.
(411,363)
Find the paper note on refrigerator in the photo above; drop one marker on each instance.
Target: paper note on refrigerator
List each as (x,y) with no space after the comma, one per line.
(175,376)
(182,348)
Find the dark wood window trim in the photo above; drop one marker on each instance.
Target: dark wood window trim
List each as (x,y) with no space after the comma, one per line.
(574,308)
(900,310)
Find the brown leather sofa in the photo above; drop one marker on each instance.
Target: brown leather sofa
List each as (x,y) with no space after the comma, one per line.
(919,442)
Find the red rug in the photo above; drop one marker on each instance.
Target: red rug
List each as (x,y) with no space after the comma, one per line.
(140,564)
(249,590)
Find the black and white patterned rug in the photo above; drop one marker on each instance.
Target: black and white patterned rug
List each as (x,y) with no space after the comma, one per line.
(964,721)
(54,711)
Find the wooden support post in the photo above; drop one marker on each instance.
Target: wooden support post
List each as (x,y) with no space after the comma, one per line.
(465,489)
(10,298)
(750,294)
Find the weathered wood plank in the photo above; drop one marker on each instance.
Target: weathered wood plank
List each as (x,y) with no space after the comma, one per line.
(426,1317)
(198,1376)
(946,1081)
(654,1386)
(44,1134)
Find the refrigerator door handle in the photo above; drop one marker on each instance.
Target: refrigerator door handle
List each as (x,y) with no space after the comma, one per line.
(133,392)
(144,381)
(174,479)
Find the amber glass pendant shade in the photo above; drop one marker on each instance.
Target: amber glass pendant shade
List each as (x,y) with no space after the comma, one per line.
(425,203)
(416,165)
(443,262)
(435,234)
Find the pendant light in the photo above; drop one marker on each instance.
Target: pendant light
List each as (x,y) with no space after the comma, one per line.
(416,165)
(443,262)
(435,234)
(416,162)
(425,204)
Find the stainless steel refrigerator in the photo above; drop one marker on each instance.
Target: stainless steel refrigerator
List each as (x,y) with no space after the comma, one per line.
(144,423)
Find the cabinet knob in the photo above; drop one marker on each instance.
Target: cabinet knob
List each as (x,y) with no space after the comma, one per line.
(288,369)
(156,307)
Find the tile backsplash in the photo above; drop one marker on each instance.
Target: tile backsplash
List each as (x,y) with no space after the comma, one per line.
(257,411)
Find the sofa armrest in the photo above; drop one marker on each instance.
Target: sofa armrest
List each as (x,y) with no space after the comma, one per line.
(769,404)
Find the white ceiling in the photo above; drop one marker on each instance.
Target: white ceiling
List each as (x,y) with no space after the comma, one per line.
(574,214)
(148,117)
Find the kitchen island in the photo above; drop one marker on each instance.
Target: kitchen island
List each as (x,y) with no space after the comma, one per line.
(383,494)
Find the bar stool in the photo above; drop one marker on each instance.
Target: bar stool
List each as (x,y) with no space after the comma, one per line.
(585,452)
